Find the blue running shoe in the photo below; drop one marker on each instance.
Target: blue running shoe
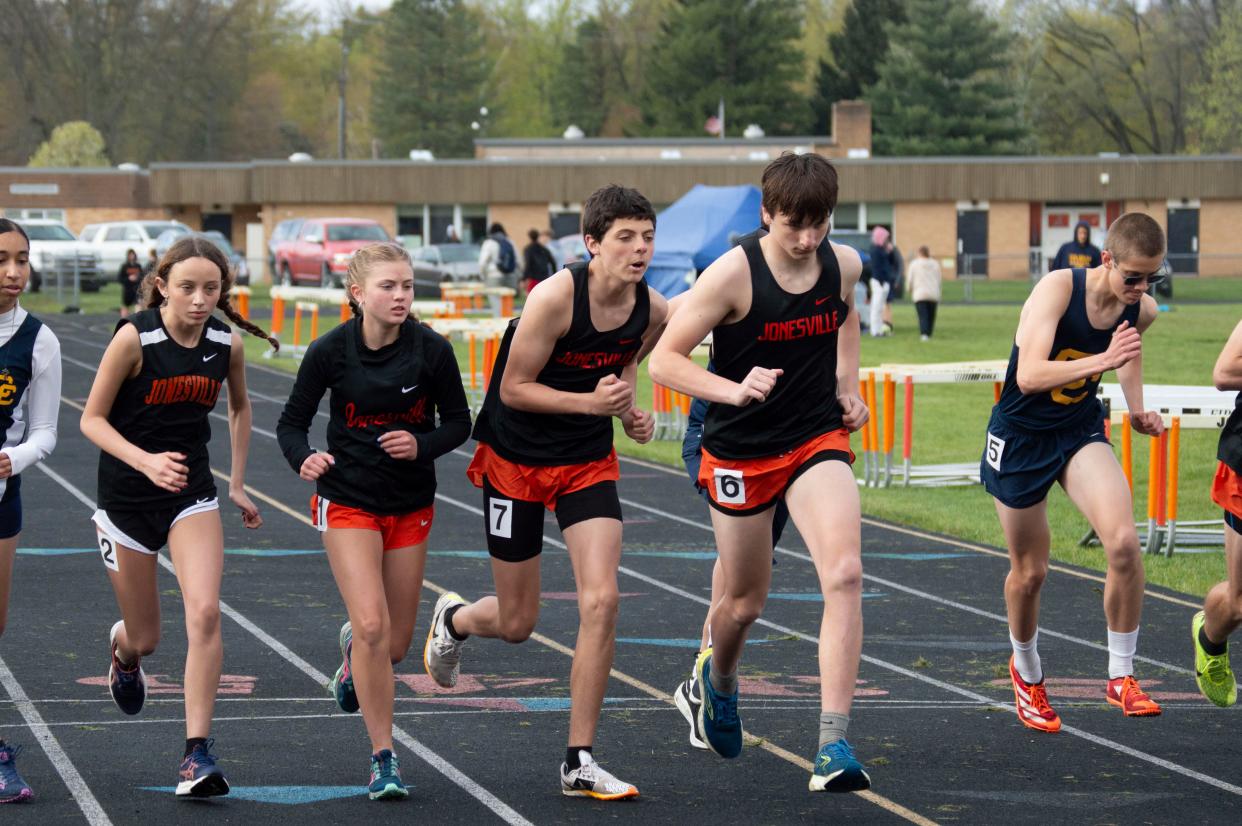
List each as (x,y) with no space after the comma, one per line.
(128,687)
(343,680)
(199,776)
(718,721)
(386,777)
(838,770)
(12,788)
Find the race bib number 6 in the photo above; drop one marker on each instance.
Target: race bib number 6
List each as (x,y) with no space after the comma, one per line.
(730,487)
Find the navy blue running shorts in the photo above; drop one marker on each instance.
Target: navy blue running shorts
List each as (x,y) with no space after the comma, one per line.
(1020,466)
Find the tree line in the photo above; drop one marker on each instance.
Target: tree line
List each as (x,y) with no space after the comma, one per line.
(221,80)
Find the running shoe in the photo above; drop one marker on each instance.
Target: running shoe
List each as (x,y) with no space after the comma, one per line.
(1124,692)
(1212,671)
(838,770)
(127,686)
(12,788)
(386,777)
(1031,702)
(689,699)
(591,780)
(719,724)
(442,653)
(199,776)
(342,684)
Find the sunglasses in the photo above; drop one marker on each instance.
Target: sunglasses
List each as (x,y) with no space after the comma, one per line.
(1151,278)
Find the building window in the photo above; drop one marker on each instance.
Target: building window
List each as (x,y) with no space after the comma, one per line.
(36,214)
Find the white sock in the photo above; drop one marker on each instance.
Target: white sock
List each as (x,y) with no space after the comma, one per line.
(1121,648)
(1026,658)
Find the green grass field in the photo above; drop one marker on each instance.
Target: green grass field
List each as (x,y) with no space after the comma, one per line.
(950,419)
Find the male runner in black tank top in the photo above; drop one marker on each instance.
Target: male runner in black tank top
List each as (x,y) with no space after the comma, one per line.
(785,396)
(1048,427)
(545,441)
(1222,610)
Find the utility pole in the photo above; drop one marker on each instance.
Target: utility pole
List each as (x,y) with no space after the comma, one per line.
(343,77)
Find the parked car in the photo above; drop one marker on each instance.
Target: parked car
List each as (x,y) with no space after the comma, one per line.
(436,263)
(237,261)
(113,239)
(55,253)
(321,251)
(284,231)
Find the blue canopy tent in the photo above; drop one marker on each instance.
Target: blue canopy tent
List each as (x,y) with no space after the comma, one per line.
(698,229)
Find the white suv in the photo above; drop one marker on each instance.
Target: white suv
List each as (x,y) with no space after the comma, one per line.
(113,240)
(55,254)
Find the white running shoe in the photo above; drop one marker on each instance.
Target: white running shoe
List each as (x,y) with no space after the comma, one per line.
(688,698)
(442,653)
(590,780)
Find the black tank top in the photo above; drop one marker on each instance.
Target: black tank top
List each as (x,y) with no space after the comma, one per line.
(1229,450)
(1074,404)
(579,360)
(165,408)
(796,333)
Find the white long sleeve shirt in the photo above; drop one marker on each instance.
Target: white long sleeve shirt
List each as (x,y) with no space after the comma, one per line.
(32,437)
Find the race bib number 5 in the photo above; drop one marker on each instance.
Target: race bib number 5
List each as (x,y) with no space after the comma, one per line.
(996,446)
(730,487)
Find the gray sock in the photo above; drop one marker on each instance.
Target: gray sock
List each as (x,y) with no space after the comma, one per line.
(724,683)
(832,727)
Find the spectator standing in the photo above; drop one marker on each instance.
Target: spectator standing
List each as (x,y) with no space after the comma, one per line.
(451,236)
(497,257)
(923,278)
(537,259)
(881,279)
(130,276)
(1079,253)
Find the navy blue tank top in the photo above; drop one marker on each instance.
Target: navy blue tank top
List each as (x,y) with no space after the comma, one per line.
(1074,404)
(1229,450)
(579,360)
(16,370)
(794,332)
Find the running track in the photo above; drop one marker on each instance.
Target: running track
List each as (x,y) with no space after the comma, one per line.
(932,716)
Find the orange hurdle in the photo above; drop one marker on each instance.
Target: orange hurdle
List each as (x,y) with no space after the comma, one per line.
(907,429)
(1127,451)
(890,413)
(474,370)
(278,316)
(298,308)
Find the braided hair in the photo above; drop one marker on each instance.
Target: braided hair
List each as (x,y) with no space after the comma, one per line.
(366,257)
(193,246)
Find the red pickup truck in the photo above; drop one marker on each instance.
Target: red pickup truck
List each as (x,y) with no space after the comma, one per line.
(319,254)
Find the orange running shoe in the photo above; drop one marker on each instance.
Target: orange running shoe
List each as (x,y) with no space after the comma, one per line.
(1031,702)
(1124,692)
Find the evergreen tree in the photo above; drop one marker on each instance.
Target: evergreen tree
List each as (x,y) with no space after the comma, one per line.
(742,51)
(430,83)
(943,88)
(854,55)
(584,79)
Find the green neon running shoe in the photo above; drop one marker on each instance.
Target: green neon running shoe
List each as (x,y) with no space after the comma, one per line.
(1212,671)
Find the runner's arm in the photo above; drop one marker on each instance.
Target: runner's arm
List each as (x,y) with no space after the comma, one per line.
(1227,374)
(850,334)
(299,411)
(42,406)
(449,397)
(1130,377)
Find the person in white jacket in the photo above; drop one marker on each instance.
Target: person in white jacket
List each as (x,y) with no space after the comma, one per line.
(923,276)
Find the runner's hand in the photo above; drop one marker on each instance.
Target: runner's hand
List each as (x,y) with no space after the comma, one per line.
(611,397)
(399,444)
(250,514)
(6,466)
(1125,345)
(166,471)
(1148,422)
(756,386)
(316,465)
(639,425)
(854,414)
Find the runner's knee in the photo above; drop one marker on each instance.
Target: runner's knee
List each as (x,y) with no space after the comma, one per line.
(842,574)
(370,629)
(745,610)
(1029,577)
(517,627)
(598,606)
(202,621)
(143,643)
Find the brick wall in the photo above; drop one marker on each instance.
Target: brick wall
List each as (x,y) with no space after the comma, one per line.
(1009,239)
(517,219)
(1156,209)
(930,224)
(1220,241)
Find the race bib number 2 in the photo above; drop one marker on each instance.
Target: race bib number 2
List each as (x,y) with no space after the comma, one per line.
(107,550)
(730,487)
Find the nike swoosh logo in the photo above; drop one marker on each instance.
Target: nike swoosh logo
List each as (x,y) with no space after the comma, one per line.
(423,523)
(209,358)
(201,501)
(408,389)
(626,341)
(819,301)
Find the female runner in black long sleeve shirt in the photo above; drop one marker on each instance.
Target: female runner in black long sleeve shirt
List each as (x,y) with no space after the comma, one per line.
(375,486)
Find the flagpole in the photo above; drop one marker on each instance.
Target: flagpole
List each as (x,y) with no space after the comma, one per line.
(722,119)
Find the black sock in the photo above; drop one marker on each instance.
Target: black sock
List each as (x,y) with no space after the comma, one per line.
(571,756)
(448,623)
(193,743)
(1213,648)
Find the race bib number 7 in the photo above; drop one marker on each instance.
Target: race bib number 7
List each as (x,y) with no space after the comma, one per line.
(730,487)
(500,518)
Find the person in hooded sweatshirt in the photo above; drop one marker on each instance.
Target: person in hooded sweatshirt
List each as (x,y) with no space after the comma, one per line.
(1079,253)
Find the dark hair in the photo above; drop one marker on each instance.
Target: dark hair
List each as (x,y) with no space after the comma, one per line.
(533,235)
(495,228)
(130,252)
(925,251)
(1135,234)
(609,203)
(7,226)
(185,248)
(803,187)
